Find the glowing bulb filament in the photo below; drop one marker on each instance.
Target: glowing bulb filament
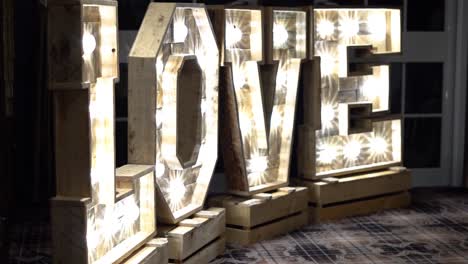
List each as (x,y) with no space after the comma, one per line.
(89,44)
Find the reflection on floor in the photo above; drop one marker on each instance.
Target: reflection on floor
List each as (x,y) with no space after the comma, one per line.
(433,230)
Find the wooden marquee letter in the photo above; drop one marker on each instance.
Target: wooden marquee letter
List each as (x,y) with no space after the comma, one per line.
(173,105)
(259,100)
(357,133)
(99,215)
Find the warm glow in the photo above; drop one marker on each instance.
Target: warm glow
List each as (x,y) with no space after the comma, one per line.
(327,63)
(352,150)
(378,145)
(377,26)
(335,30)
(327,154)
(233,35)
(176,191)
(349,27)
(258,164)
(325,28)
(89,44)
(280,36)
(160,169)
(180,31)
(328,115)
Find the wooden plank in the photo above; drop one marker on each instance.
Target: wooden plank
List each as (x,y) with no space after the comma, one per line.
(206,254)
(69,219)
(230,135)
(312,101)
(268,231)
(155,251)
(360,186)
(141,96)
(252,212)
(132,171)
(65,61)
(306,152)
(362,207)
(72,143)
(152,30)
(186,239)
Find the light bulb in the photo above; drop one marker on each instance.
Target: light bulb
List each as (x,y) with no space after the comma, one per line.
(280,36)
(89,44)
(352,150)
(349,27)
(160,169)
(377,26)
(370,88)
(233,35)
(327,63)
(176,190)
(258,164)
(327,114)
(327,154)
(325,28)
(378,145)
(180,31)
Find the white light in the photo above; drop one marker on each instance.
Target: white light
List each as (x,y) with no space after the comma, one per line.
(352,150)
(377,26)
(159,66)
(280,36)
(325,28)
(258,164)
(89,44)
(276,120)
(176,190)
(160,118)
(378,145)
(132,212)
(349,27)
(180,31)
(233,35)
(327,115)
(239,80)
(327,64)
(92,239)
(203,106)
(160,169)
(327,154)
(370,88)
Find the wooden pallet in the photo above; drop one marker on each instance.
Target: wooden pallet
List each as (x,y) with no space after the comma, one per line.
(155,251)
(198,239)
(335,198)
(263,216)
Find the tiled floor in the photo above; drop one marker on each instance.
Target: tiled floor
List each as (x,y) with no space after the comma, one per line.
(433,230)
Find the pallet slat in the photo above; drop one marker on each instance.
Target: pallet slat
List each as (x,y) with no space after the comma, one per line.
(268,231)
(335,198)
(356,187)
(155,251)
(361,207)
(263,216)
(197,237)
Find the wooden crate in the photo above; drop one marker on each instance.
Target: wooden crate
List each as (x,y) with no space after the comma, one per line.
(334,198)
(263,216)
(198,239)
(155,251)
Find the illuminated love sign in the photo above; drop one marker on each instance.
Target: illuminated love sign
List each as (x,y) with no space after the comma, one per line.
(173,105)
(259,106)
(97,216)
(357,133)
